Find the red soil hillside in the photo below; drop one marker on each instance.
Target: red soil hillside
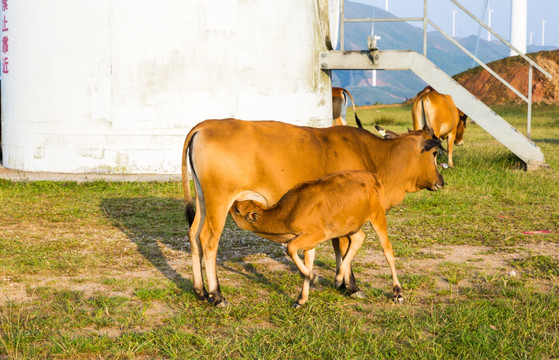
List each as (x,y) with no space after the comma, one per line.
(515,71)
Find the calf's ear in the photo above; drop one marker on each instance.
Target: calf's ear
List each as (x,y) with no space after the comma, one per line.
(252,217)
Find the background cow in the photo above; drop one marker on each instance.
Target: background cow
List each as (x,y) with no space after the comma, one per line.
(233,160)
(339,100)
(438,112)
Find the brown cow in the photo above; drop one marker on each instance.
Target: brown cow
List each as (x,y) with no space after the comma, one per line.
(261,160)
(336,205)
(438,112)
(339,99)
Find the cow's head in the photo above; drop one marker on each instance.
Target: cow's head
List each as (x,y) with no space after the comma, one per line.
(461,128)
(248,210)
(417,160)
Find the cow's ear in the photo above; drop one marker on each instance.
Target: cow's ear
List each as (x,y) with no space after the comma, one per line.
(431,143)
(252,217)
(463,118)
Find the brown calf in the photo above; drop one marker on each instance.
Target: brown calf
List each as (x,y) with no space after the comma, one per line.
(438,112)
(336,205)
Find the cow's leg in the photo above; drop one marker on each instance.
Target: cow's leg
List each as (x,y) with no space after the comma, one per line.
(196,252)
(345,267)
(210,233)
(341,246)
(450,147)
(379,225)
(303,241)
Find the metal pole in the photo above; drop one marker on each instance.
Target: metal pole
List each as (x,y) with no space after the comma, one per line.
(489,11)
(529,120)
(454,23)
(342,27)
(425,28)
(543,31)
(479,31)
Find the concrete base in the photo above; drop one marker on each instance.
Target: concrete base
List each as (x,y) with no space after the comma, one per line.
(17,175)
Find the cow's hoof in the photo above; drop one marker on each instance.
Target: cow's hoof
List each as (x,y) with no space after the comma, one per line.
(223,303)
(399,299)
(218,301)
(338,284)
(202,295)
(314,279)
(358,295)
(296,305)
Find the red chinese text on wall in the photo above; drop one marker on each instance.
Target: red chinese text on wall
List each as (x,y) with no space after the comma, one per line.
(5,37)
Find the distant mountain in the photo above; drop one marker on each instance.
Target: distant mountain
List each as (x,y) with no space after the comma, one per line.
(514,70)
(397,86)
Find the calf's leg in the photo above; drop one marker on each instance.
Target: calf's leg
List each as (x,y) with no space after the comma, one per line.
(341,246)
(309,261)
(379,225)
(304,241)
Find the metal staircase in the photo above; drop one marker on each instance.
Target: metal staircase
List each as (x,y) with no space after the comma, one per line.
(432,75)
(374,59)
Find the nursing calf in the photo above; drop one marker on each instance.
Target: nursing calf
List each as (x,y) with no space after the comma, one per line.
(336,205)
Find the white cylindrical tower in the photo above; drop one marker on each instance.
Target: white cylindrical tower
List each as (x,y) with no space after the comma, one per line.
(518,25)
(114,86)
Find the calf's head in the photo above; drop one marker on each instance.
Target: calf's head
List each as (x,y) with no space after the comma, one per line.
(248,211)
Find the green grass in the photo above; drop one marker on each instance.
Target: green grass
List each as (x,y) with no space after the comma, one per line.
(102,270)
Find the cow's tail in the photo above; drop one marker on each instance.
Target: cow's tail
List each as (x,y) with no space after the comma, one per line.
(357,120)
(425,120)
(186,153)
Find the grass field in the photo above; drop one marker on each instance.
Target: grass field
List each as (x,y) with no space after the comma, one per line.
(102,270)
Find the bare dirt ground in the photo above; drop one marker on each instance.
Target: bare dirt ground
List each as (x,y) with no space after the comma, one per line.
(245,257)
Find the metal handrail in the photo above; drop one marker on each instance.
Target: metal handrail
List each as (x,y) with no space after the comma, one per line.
(511,46)
(426,20)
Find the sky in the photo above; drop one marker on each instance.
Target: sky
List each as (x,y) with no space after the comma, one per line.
(440,12)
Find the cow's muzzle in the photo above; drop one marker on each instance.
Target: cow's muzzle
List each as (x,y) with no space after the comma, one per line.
(438,184)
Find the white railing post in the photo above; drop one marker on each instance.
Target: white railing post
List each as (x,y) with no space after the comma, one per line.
(529,116)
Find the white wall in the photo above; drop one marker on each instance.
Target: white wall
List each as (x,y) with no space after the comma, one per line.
(114,86)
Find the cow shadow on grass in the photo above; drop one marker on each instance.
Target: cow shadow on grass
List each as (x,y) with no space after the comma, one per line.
(152,223)
(155,223)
